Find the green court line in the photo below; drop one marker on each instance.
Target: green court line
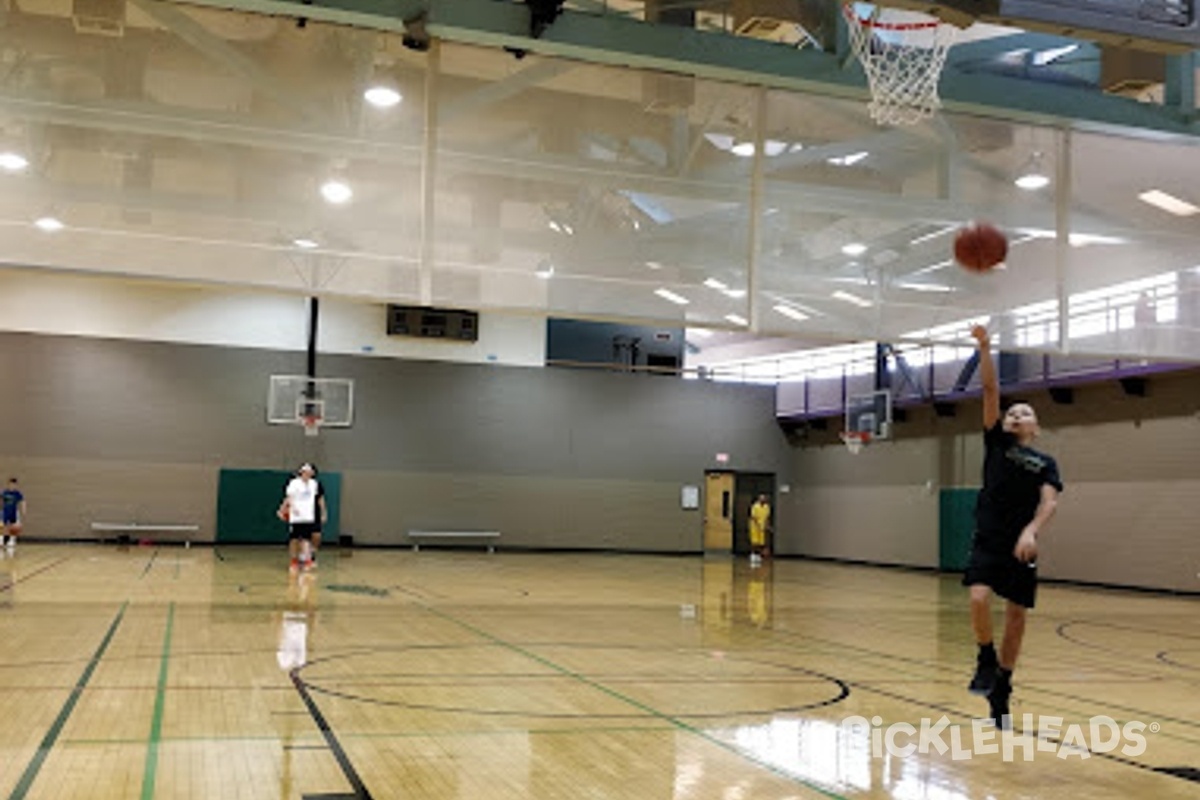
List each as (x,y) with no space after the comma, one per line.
(35,764)
(677,723)
(151,772)
(431,734)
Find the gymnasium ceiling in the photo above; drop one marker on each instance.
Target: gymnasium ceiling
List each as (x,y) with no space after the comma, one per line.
(191,143)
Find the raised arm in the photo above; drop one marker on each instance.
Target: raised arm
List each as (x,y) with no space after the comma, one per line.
(987,376)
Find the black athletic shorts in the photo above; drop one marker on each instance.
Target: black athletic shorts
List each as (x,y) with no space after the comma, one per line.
(1005,573)
(303,530)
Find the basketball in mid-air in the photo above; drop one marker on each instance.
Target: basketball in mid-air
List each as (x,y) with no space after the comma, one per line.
(979,247)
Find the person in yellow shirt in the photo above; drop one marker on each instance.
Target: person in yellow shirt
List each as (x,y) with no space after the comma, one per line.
(760,525)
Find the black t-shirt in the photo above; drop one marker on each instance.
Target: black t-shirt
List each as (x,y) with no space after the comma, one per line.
(1013,476)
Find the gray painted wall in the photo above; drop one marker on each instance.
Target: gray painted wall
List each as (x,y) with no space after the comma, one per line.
(1128,517)
(118,430)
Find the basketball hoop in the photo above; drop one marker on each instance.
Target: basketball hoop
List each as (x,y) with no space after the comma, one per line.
(903,53)
(855,441)
(312,425)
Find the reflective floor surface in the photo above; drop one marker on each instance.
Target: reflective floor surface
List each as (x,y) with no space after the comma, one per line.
(218,673)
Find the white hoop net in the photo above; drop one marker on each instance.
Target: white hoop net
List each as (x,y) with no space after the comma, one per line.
(854,441)
(903,53)
(312,425)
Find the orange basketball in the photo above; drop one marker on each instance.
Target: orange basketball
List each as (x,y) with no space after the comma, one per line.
(283,515)
(979,247)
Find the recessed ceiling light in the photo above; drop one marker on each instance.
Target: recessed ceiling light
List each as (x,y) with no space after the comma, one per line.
(854,249)
(1081,239)
(852,298)
(700,333)
(721,141)
(737,319)
(791,313)
(336,192)
(667,294)
(933,267)
(772,148)
(743,149)
(49,224)
(13,162)
(926,287)
(305,244)
(1032,181)
(713,283)
(382,96)
(653,265)
(1169,203)
(848,160)
(935,234)
(1051,55)
(736,294)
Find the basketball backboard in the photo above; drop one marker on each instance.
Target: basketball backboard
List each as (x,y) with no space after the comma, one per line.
(870,413)
(292,399)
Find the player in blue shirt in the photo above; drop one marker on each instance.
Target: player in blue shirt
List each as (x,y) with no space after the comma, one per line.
(1019,494)
(13,514)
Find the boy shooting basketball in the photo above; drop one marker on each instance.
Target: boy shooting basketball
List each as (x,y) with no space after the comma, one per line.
(1019,495)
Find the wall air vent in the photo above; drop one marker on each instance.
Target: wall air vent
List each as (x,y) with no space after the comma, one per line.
(99,17)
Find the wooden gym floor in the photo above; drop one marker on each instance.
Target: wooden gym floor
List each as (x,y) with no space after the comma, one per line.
(171,673)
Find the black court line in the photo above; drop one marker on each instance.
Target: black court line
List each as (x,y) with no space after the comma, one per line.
(1166,771)
(783,634)
(1163,658)
(867,687)
(969,647)
(1160,658)
(560,673)
(1187,773)
(217,553)
(35,765)
(678,722)
(1153,631)
(149,563)
(33,574)
(339,753)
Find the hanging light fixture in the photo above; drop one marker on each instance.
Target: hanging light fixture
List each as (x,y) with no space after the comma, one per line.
(383,89)
(1033,174)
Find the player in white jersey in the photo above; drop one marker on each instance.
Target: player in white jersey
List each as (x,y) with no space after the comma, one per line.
(303,508)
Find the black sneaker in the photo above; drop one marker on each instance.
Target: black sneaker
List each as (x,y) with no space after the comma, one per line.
(985,673)
(998,702)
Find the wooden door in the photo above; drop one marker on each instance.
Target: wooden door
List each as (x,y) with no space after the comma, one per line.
(718,511)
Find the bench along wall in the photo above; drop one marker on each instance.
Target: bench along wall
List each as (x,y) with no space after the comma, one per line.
(137,431)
